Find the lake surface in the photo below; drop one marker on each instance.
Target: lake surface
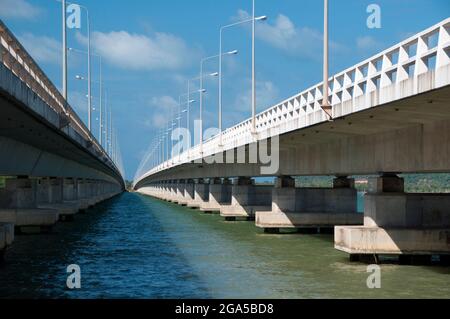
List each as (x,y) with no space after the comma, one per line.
(136,247)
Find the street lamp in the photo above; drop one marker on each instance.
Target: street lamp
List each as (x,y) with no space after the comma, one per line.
(261,18)
(214,74)
(234,52)
(100,129)
(101,86)
(64,52)
(325,102)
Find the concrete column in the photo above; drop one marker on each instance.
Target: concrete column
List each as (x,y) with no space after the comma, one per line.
(201,194)
(242,191)
(180,188)
(50,196)
(311,209)
(161,190)
(19,206)
(6,238)
(56,190)
(172,191)
(81,188)
(283,195)
(398,223)
(165,190)
(70,189)
(219,195)
(43,191)
(246,199)
(189,194)
(19,193)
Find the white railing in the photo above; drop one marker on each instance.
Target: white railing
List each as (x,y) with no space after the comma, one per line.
(15,58)
(418,64)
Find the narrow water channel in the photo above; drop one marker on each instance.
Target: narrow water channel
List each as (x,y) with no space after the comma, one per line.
(137,247)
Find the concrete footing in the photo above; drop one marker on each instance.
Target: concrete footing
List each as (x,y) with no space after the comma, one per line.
(35,205)
(30,220)
(398,223)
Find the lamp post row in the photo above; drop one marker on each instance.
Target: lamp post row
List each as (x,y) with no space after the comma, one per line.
(110,136)
(219,74)
(326,106)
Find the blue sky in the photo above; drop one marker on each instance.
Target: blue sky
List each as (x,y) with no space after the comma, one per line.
(151,47)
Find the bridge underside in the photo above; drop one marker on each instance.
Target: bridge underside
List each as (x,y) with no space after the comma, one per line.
(34,148)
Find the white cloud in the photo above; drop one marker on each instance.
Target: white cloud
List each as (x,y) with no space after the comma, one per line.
(267,94)
(293,40)
(142,52)
(368,43)
(43,49)
(162,108)
(18,9)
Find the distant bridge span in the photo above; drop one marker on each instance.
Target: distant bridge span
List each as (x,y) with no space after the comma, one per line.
(391,115)
(51,166)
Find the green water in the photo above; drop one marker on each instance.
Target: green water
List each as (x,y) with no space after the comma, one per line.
(137,247)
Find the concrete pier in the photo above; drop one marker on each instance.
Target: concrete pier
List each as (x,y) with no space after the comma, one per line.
(246,199)
(172,195)
(34,205)
(201,194)
(180,186)
(18,205)
(398,223)
(189,194)
(6,237)
(167,194)
(219,195)
(50,195)
(315,208)
(72,196)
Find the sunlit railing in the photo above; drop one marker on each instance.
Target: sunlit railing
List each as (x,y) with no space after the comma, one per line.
(419,64)
(15,58)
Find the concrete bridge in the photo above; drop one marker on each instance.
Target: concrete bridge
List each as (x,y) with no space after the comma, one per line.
(51,167)
(391,115)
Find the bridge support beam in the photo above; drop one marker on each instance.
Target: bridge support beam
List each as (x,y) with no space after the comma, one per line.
(398,223)
(201,194)
(310,209)
(246,199)
(19,206)
(219,195)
